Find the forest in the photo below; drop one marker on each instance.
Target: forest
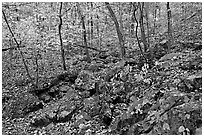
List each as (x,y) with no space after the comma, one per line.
(101,68)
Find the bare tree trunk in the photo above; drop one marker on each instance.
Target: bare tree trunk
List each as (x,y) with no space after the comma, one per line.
(84,33)
(106,27)
(60,37)
(37,69)
(18,45)
(142,29)
(155,17)
(121,18)
(88,25)
(98,33)
(147,19)
(92,24)
(120,36)
(148,32)
(138,41)
(170,37)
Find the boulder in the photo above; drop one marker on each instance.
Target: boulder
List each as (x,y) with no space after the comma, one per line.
(60,111)
(23,104)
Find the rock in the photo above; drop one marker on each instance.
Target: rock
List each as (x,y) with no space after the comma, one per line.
(170,56)
(95,67)
(45,98)
(103,56)
(91,106)
(107,120)
(197,46)
(23,104)
(191,83)
(60,111)
(85,80)
(64,88)
(65,116)
(40,121)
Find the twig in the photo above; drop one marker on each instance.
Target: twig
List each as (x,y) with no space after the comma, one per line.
(18,45)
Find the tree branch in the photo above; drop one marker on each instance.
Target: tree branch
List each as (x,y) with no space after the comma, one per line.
(18,46)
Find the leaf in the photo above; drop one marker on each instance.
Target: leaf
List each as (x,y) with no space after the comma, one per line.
(181,129)
(81,125)
(166,126)
(138,77)
(187,116)
(148,81)
(186,99)
(198,131)
(165,117)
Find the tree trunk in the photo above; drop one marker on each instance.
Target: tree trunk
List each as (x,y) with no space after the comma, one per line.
(121,18)
(98,33)
(120,36)
(142,29)
(155,18)
(136,29)
(37,69)
(60,37)
(88,31)
(170,37)
(92,24)
(84,33)
(147,19)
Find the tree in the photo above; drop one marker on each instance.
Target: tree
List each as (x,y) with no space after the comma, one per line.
(60,37)
(84,33)
(147,19)
(98,31)
(119,33)
(92,24)
(156,7)
(142,28)
(121,17)
(170,37)
(135,8)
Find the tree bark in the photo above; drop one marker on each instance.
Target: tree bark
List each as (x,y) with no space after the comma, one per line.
(155,17)
(121,18)
(98,32)
(60,37)
(142,29)
(147,19)
(120,36)
(84,33)
(37,69)
(92,23)
(136,27)
(170,37)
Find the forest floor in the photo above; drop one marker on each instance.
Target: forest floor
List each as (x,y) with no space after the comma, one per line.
(107,97)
